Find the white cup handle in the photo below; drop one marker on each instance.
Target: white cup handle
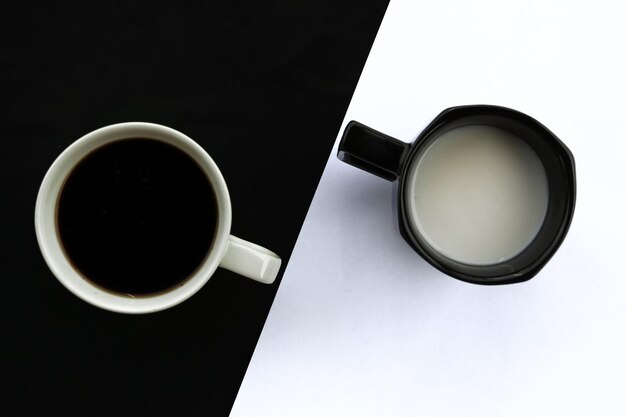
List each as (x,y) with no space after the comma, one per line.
(250,260)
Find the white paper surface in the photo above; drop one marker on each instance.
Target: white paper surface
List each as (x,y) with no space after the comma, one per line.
(363,326)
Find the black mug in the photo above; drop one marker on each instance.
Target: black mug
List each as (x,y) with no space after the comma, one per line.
(393,160)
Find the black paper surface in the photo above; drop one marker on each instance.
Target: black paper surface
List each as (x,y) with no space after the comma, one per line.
(262,87)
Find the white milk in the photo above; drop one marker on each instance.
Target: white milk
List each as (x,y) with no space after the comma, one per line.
(478,195)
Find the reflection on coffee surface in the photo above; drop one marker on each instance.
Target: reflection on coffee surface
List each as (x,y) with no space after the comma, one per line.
(478,194)
(137,216)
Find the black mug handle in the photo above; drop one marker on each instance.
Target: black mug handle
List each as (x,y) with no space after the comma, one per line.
(372,151)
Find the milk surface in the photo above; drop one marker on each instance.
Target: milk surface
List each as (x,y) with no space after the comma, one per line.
(478,195)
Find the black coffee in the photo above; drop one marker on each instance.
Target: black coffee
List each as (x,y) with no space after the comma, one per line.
(137,216)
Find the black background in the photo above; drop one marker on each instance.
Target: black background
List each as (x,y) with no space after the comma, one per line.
(263,87)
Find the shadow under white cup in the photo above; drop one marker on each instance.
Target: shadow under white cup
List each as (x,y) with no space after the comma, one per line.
(226,251)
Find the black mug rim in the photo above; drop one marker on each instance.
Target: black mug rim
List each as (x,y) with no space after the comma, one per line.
(489,274)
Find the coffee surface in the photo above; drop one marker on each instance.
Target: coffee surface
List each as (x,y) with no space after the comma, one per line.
(137,216)
(478,194)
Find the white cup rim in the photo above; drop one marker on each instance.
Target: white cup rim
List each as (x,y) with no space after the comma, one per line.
(51,247)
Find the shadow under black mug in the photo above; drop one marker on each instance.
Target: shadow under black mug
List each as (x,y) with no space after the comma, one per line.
(393,160)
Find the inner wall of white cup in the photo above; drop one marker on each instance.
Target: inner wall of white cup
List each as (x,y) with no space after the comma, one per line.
(477,195)
(48,237)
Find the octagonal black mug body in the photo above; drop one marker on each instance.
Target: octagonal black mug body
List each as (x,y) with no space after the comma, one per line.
(392,160)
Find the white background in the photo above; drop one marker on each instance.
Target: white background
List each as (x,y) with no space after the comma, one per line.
(362,326)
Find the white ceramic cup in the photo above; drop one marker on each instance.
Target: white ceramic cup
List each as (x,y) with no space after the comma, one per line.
(226,251)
